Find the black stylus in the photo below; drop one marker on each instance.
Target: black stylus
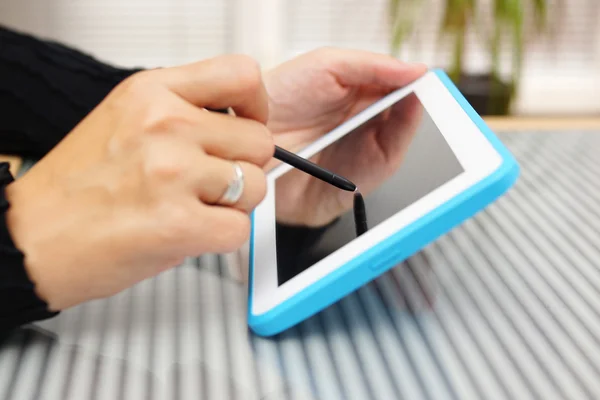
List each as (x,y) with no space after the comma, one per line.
(309,167)
(360,214)
(313,169)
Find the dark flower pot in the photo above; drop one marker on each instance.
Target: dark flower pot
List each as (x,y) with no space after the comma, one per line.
(488,95)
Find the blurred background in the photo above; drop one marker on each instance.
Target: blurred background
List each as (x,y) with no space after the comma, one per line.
(507,304)
(509,57)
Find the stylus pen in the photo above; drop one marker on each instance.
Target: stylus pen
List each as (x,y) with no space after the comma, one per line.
(313,169)
(360,214)
(309,167)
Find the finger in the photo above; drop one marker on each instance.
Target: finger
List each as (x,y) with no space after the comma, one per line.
(219,230)
(228,81)
(358,68)
(234,138)
(175,166)
(400,127)
(221,135)
(217,175)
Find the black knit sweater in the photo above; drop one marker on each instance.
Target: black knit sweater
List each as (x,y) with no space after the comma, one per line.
(46,89)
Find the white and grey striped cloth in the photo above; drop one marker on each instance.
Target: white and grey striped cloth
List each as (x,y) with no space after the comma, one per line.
(507,306)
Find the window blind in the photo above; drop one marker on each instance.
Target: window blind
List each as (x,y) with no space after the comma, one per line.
(147,33)
(569,43)
(561,71)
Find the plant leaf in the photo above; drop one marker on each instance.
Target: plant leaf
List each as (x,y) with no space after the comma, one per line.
(515,13)
(457,15)
(402,15)
(540,14)
(393,7)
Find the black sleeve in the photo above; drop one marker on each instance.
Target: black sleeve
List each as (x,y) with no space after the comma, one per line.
(18,302)
(46,89)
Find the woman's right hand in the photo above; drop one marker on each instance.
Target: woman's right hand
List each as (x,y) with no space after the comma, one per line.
(131,191)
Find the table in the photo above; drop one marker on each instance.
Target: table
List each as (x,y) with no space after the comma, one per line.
(506,306)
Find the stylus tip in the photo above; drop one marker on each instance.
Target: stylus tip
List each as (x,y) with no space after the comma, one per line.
(344,183)
(360,214)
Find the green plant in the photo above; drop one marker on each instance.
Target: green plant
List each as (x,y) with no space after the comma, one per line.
(507,22)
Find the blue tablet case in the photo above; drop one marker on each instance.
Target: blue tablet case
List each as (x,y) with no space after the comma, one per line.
(400,246)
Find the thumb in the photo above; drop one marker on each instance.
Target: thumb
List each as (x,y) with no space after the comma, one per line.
(359,68)
(400,127)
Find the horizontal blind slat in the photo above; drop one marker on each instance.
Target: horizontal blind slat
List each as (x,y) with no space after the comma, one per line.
(360,24)
(145,33)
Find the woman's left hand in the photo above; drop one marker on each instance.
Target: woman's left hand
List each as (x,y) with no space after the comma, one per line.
(314,93)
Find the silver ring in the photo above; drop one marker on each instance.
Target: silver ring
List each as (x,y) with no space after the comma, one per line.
(235,189)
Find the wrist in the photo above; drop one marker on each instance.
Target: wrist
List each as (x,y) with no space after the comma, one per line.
(19,302)
(19,226)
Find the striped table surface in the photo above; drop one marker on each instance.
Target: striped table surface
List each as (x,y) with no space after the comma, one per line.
(506,306)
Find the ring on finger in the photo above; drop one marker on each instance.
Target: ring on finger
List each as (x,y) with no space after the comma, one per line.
(235,189)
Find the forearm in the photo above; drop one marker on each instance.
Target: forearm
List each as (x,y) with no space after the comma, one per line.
(46,89)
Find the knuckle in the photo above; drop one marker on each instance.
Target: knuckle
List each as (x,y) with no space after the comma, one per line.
(248,71)
(174,223)
(163,169)
(239,232)
(235,234)
(161,120)
(133,95)
(136,84)
(258,185)
(265,147)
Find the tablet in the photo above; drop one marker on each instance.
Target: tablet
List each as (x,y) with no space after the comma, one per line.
(454,167)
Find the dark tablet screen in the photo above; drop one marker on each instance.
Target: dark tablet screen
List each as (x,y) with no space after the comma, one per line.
(427,164)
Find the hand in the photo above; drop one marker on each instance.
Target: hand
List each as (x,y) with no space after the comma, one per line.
(131,191)
(316,92)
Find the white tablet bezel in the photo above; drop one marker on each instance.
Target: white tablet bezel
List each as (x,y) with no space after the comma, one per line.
(474,152)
